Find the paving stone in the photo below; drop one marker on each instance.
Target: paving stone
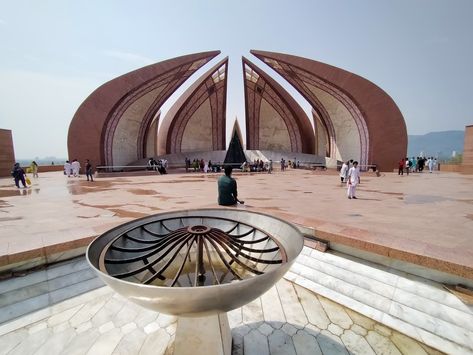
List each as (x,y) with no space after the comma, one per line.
(336,313)
(312,329)
(155,343)
(360,319)
(56,343)
(171,329)
(265,329)
(63,316)
(241,330)
(293,310)
(152,327)
(124,315)
(165,320)
(61,327)
(407,345)
(335,329)
(87,312)
(281,343)
(272,308)
(32,343)
(289,329)
(306,344)
(237,344)
(37,327)
(106,343)
(128,328)
(253,313)
(83,327)
(356,344)
(107,312)
(11,340)
(81,343)
(381,329)
(359,330)
(313,309)
(380,344)
(131,342)
(145,317)
(255,343)
(106,327)
(330,344)
(430,351)
(235,317)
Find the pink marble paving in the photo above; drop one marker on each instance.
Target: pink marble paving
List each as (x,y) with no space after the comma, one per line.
(421,218)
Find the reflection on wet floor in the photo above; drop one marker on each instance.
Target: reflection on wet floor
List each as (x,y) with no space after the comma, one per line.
(421,199)
(18,192)
(384,192)
(6,219)
(128,214)
(4,204)
(143,192)
(179,181)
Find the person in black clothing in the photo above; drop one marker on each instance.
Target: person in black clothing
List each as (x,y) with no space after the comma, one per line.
(88,170)
(19,174)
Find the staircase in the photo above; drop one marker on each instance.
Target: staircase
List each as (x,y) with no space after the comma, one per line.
(415,306)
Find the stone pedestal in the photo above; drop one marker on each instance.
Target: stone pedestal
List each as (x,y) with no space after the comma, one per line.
(203,336)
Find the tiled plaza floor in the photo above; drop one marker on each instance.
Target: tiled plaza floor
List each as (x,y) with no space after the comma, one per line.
(287,319)
(420,218)
(425,219)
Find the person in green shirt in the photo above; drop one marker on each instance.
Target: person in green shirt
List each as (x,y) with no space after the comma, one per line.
(227,189)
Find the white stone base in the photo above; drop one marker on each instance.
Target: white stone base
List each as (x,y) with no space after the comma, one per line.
(203,336)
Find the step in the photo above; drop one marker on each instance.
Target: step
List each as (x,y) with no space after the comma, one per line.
(415,306)
(22,295)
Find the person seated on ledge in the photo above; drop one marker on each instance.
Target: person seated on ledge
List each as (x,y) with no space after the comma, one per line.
(227,189)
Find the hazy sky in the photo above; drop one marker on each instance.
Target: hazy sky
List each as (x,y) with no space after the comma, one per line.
(53,54)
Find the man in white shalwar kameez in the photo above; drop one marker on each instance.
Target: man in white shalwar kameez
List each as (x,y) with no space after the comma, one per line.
(75,167)
(353,180)
(343,172)
(67,168)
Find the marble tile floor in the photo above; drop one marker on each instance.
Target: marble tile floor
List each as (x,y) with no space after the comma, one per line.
(410,304)
(288,319)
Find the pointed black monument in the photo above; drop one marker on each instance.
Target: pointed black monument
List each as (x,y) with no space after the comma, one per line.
(235,155)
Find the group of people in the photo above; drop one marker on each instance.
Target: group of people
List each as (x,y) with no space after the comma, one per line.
(416,164)
(19,175)
(159,165)
(258,165)
(201,165)
(73,169)
(350,174)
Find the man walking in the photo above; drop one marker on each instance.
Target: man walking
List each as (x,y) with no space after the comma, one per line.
(88,170)
(353,180)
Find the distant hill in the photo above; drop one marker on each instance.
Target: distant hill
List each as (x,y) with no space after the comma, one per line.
(436,143)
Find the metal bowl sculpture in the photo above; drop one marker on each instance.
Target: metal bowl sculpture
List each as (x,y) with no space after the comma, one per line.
(196,263)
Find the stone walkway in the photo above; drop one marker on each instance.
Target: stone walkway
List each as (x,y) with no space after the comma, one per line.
(288,319)
(424,218)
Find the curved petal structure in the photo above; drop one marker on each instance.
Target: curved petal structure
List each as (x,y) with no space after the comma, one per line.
(274,120)
(361,120)
(196,122)
(114,124)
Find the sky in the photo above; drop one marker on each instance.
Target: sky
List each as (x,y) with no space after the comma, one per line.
(53,54)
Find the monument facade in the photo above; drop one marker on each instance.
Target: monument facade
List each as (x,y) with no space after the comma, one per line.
(7,153)
(352,118)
